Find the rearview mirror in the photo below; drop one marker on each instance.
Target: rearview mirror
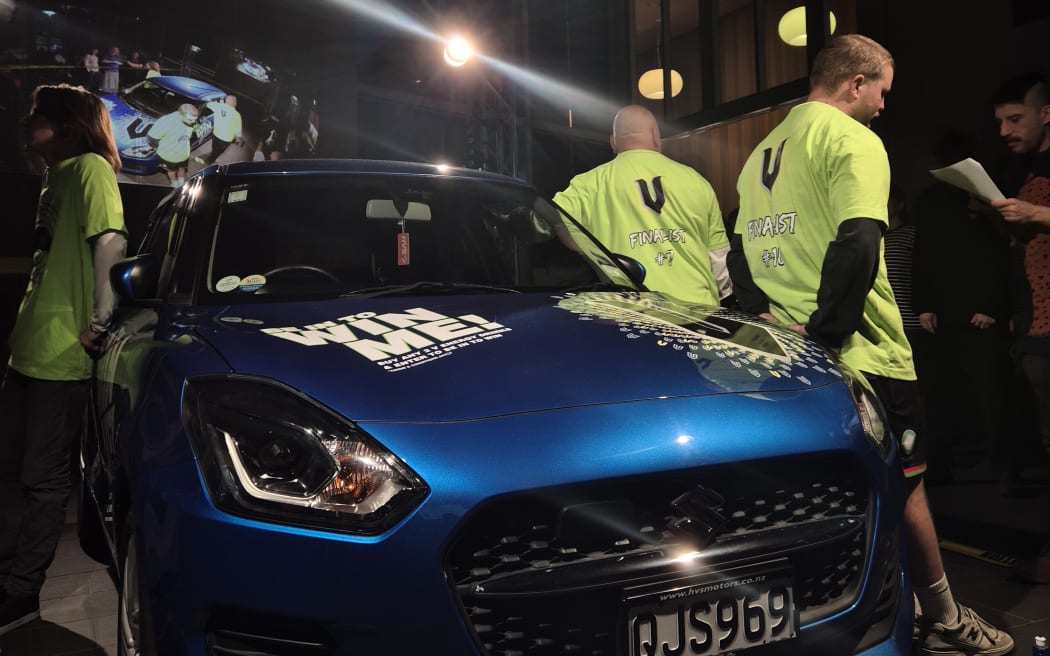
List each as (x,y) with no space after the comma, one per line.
(382,208)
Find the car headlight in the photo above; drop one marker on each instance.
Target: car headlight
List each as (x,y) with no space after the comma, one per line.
(138,152)
(267,452)
(869,409)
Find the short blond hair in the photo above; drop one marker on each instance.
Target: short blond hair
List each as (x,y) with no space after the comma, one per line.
(845,56)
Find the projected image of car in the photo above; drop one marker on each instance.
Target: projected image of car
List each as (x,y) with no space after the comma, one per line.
(134,110)
(356,407)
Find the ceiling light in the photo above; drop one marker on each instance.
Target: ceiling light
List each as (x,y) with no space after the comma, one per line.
(457,52)
(651,83)
(792,26)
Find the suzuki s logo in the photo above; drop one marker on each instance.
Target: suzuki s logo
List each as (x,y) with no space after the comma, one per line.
(699,515)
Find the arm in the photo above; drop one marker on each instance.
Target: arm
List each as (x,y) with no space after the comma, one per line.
(1019,211)
(106,250)
(721,272)
(846,277)
(104,230)
(752,299)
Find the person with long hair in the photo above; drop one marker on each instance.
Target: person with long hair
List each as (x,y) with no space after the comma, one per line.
(61,323)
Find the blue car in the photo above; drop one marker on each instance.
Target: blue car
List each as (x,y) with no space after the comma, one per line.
(134,110)
(357,407)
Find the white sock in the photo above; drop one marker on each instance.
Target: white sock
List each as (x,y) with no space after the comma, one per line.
(937,602)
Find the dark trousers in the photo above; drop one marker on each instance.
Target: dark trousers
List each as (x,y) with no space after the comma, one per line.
(968,395)
(218,147)
(1036,370)
(39,423)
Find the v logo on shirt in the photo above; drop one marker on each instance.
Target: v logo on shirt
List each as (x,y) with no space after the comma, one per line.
(654,201)
(770,176)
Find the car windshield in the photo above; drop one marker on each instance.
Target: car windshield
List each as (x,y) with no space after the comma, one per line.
(295,236)
(153,100)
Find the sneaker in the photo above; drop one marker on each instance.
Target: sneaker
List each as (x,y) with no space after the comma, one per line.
(16,611)
(971,636)
(199,160)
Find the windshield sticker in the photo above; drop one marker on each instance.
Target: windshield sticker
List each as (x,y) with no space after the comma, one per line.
(397,341)
(253,282)
(228,284)
(738,340)
(237,196)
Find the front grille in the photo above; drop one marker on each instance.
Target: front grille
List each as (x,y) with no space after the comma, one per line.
(521,564)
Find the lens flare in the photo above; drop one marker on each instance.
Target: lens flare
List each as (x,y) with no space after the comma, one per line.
(457,52)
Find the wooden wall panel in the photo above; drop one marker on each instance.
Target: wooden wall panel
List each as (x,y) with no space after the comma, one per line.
(719,152)
(736,56)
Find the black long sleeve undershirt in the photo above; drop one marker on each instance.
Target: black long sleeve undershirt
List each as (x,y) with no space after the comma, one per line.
(748,295)
(846,277)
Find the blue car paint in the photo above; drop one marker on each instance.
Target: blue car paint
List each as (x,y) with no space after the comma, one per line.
(131,125)
(574,388)
(537,337)
(185,565)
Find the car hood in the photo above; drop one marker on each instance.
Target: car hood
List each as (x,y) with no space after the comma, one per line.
(130,126)
(451,358)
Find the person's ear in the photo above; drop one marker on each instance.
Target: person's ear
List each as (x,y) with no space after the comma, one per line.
(855,84)
(1045,114)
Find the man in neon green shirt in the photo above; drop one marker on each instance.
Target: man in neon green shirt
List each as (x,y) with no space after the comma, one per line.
(807,252)
(226,127)
(661,213)
(171,136)
(64,314)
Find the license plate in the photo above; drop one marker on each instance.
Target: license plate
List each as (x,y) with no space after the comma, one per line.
(711,614)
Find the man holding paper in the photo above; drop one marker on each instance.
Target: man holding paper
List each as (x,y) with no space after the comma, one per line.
(1022,109)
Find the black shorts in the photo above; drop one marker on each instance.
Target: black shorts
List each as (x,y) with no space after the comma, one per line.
(907,417)
(172,166)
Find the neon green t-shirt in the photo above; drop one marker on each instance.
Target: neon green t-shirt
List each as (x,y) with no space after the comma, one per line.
(226,122)
(173,137)
(79,200)
(660,212)
(816,169)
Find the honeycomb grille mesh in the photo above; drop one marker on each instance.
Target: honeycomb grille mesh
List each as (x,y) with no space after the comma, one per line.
(524,533)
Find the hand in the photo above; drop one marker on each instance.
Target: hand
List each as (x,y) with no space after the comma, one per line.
(799,328)
(982,321)
(769,317)
(1018,211)
(92,340)
(928,321)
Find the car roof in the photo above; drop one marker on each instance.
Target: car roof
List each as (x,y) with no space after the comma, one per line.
(355,166)
(189,87)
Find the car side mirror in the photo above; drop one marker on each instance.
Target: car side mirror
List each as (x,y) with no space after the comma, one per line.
(136,279)
(635,269)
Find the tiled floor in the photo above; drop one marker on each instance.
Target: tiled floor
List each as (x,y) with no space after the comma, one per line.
(78,608)
(78,603)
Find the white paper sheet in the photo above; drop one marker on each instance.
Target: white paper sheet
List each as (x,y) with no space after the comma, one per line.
(971,176)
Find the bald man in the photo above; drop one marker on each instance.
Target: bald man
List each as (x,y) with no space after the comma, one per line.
(661,213)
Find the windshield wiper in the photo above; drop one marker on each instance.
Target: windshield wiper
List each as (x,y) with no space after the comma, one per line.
(426,287)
